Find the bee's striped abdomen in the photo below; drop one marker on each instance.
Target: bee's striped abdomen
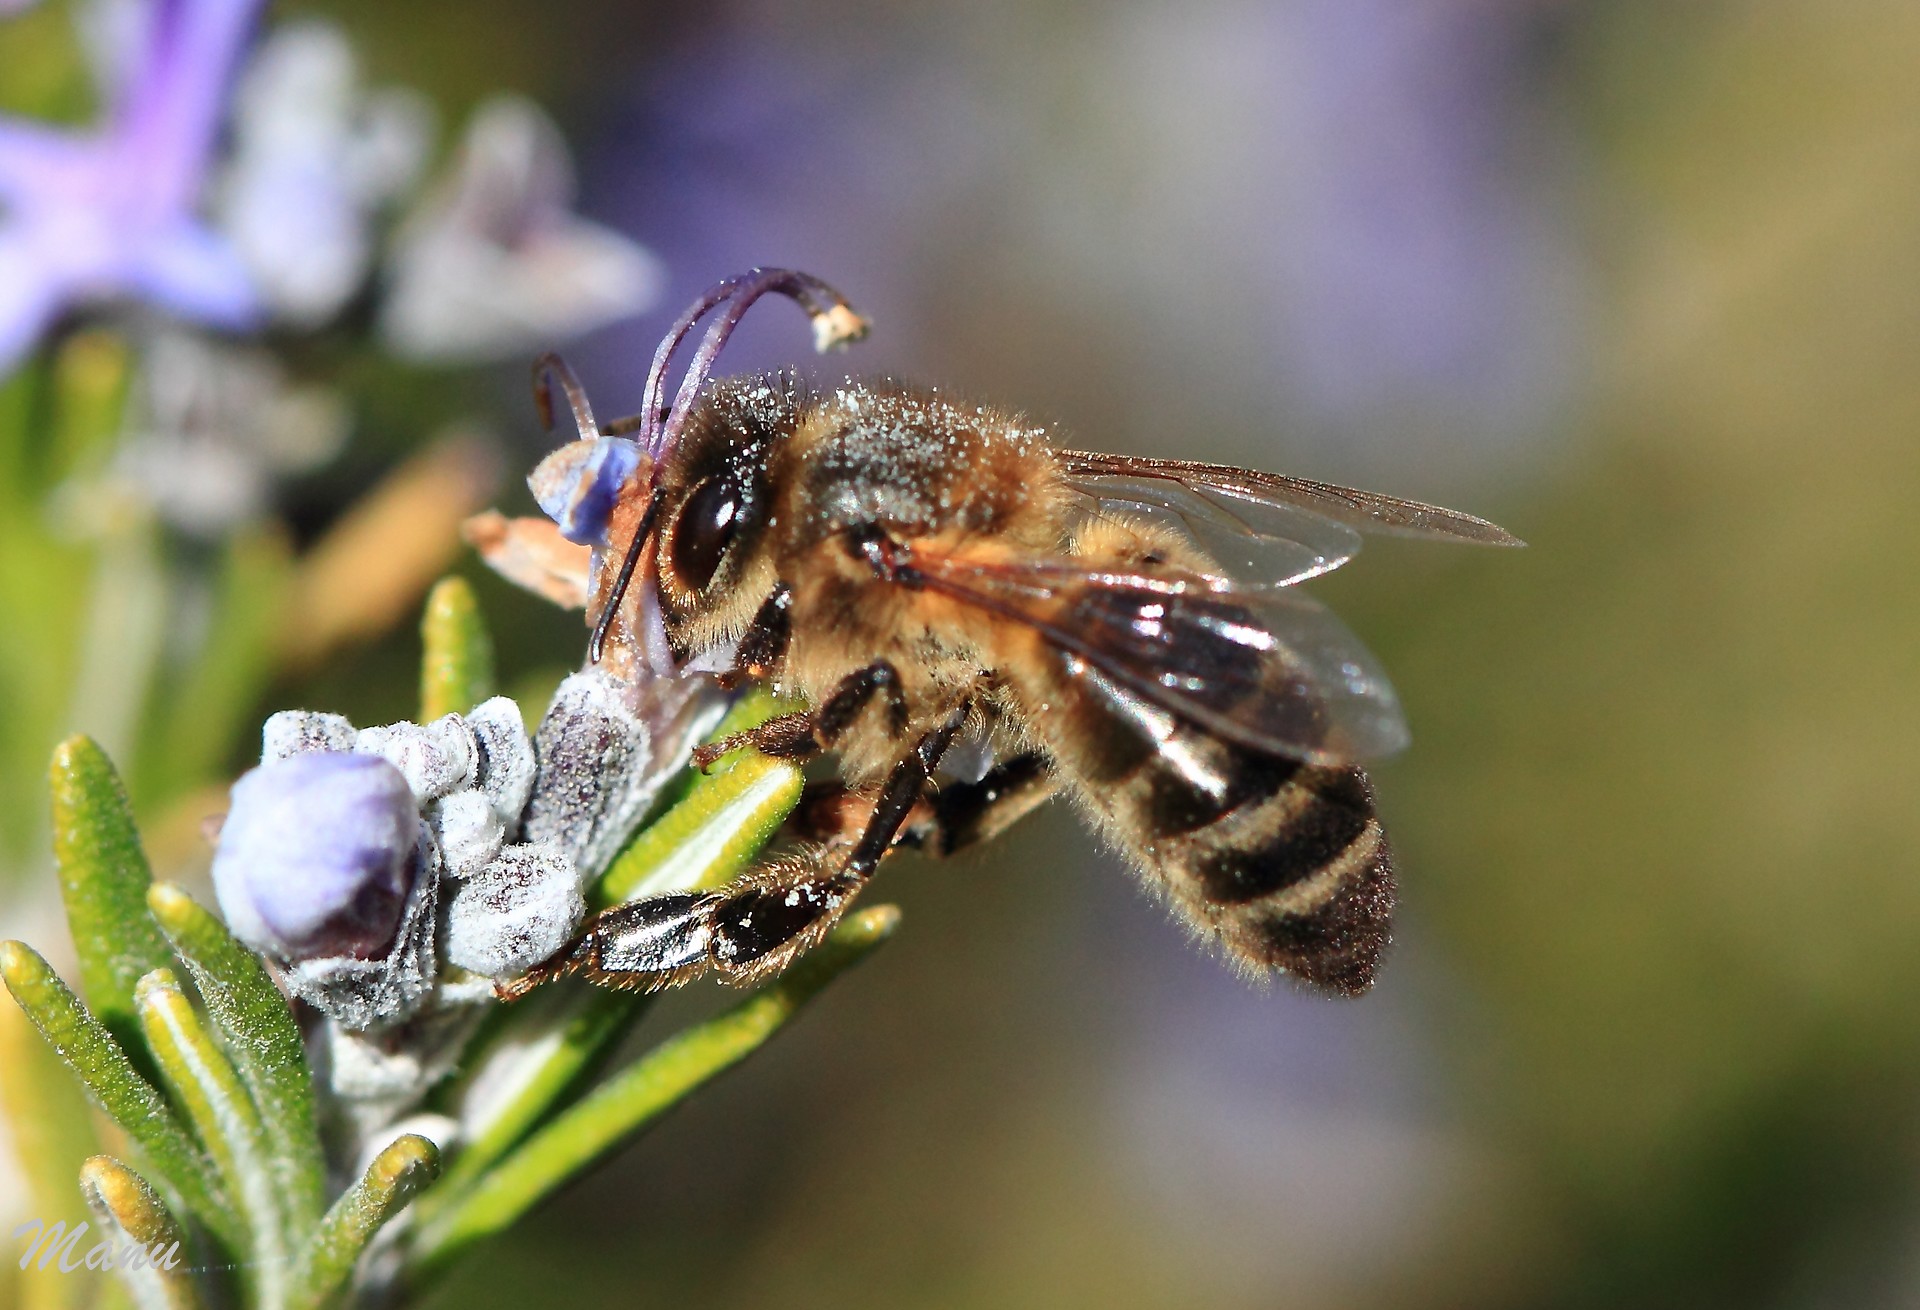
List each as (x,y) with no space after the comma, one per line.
(1286,866)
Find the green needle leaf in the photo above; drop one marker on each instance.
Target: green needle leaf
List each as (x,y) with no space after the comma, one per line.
(258,1032)
(706,840)
(534,1061)
(147,1241)
(408,1164)
(103,879)
(456,671)
(709,836)
(113,1085)
(643,1091)
(205,1084)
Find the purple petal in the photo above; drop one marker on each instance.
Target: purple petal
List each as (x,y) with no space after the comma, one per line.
(579,484)
(30,296)
(196,274)
(170,113)
(37,162)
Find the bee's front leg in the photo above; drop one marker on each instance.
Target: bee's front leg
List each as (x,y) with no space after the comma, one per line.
(802,735)
(646,945)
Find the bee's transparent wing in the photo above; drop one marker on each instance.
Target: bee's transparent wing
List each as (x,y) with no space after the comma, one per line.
(1267,669)
(1281,529)
(1258,543)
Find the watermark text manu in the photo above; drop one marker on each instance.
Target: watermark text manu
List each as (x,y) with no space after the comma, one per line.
(60,1249)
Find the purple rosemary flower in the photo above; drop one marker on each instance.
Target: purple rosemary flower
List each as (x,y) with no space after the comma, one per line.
(112,212)
(365,863)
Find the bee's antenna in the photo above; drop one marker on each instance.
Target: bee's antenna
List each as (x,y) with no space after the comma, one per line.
(598,641)
(548,369)
(835,323)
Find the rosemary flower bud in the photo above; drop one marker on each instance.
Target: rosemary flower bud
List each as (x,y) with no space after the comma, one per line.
(317,856)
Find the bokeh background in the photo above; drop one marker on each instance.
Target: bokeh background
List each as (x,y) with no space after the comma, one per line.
(1640,281)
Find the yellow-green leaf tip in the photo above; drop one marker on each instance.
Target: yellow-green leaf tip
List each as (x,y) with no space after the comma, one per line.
(403,1156)
(456,671)
(159,984)
(20,965)
(171,906)
(869,927)
(123,1192)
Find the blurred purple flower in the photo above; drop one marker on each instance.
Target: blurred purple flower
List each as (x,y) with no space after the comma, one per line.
(494,263)
(213,428)
(86,216)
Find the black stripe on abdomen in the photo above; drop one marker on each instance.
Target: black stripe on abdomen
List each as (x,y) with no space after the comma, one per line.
(1337,943)
(1307,833)
(1294,875)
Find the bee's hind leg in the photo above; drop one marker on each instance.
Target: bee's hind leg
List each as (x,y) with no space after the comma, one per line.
(646,945)
(754,928)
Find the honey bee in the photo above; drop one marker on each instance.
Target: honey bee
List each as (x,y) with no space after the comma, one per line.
(977,619)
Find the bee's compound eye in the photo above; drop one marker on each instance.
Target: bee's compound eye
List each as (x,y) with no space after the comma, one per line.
(704,531)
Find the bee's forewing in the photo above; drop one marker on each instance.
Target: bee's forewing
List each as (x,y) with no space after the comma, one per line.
(1364,720)
(1368,511)
(1258,543)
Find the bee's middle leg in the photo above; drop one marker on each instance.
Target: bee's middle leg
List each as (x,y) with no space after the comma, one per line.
(778,914)
(804,734)
(958,815)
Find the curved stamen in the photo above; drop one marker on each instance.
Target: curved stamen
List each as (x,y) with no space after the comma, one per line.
(550,368)
(823,305)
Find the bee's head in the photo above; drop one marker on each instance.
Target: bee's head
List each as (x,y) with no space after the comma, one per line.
(715,486)
(702,510)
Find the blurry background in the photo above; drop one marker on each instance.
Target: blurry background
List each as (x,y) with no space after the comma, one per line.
(1639,281)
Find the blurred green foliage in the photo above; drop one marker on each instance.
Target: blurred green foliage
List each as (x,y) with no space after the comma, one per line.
(215,1090)
(86,580)
(46,71)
